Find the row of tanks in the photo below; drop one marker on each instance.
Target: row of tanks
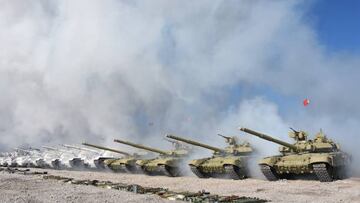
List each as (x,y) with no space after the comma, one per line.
(165,163)
(319,156)
(63,157)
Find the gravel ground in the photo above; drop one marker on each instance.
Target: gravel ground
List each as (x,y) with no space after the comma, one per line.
(279,191)
(34,189)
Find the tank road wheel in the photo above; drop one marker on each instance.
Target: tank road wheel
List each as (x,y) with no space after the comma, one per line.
(197,172)
(234,172)
(269,172)
(170,171)
(323,172)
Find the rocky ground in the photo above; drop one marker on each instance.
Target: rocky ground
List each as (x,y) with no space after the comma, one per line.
(32,188)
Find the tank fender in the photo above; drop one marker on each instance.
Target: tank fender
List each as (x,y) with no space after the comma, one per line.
(109,161)
(141,162)
(321,159)
(168,162)
(197,162)
(270,161)
(128,161)
(235,162)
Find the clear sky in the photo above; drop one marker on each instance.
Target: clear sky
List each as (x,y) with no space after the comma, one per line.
(337,24)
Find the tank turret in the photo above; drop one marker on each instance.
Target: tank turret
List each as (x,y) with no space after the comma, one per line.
(106,148)
(195,143)
(271,139)
(142,147)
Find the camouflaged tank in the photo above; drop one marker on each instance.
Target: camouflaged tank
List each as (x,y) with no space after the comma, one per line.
(167,163)
(123,164)
(230,162)
(320,156)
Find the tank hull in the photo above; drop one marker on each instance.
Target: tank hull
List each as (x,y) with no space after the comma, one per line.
(78,164)
(100,163)
(233,167)
(169,166)
(123,165)
(284,166)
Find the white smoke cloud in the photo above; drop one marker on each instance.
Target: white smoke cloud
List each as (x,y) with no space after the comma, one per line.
(87,70)
(261,115)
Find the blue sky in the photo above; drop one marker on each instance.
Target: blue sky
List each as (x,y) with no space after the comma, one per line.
(337,27)
(337,24)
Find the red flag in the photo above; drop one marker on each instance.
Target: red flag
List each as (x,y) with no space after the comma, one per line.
(306,102)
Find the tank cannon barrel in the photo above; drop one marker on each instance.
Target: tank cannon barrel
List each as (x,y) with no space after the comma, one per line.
(225,137)
(142,147)
(30,149)
(268,138)
(194,143)
(80,148)
(49,148)
(59,150)
(106,148)
(22,150)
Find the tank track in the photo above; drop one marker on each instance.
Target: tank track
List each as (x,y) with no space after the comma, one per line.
(197,172)
(269,173)
(127,168)
(234,172)
(323,172)
(141,169)
(169,171)
(100,164)
(57,164)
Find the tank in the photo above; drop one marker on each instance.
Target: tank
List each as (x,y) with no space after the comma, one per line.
(230,162)
(127,163)
(167,163)
(320,156)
